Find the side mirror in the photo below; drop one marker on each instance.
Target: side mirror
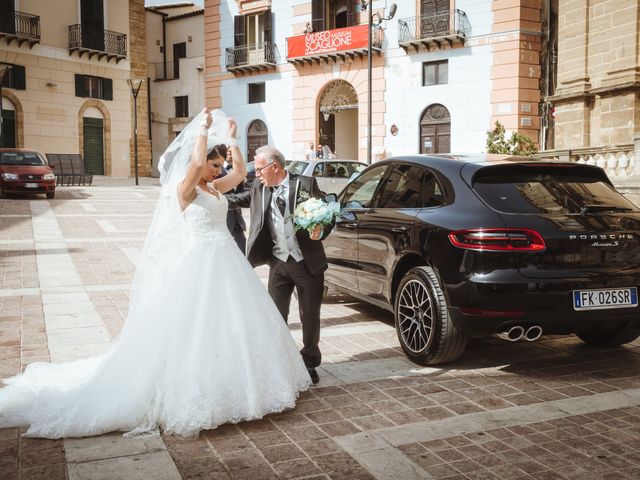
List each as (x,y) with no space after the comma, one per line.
(330,197)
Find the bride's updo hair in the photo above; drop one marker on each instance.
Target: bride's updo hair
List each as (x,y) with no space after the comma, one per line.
(219,150)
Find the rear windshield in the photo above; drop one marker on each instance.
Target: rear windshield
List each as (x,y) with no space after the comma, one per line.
(297,167)
(20,158)
(548,189)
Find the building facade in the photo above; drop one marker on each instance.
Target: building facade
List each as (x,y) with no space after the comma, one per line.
(67,90)
(596,103)
(175,52)
(442,72)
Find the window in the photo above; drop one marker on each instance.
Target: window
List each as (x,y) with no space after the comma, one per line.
(15,77)
(297,167)
(330,14)
(410,186)
(253,30)
(94,87)
(256,92)
(435,73)
(182,106)
(360,192)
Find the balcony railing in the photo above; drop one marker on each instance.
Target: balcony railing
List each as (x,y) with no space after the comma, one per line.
(251,58)
(21,27)
(103,43)
(434,30)
(333,45)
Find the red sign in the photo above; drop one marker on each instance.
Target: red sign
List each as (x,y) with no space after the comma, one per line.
(329,41)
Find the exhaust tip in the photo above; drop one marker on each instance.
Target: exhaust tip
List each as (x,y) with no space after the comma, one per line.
(533,333)
(514,334)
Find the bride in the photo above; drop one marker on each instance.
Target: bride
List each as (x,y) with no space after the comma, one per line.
(203,343)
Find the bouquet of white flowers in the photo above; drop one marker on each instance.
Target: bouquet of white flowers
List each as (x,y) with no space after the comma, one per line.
(314,212)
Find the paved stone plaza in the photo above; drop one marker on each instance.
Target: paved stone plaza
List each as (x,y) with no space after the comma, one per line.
(554,409)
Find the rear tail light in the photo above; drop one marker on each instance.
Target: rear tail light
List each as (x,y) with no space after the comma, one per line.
(498,240)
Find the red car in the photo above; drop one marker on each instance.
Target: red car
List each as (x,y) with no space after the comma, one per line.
(25,171)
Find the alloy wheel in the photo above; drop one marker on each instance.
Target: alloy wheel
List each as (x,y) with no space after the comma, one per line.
(415,316)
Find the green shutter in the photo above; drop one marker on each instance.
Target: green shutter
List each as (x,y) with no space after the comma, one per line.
(107,89)
(19,77)
(93,130)
(80,92)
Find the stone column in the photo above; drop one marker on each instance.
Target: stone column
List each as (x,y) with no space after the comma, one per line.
(138,62)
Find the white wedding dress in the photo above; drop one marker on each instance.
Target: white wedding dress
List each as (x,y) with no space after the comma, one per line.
(210,349)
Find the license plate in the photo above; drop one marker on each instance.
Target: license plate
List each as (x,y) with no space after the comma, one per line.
(607,298)
(31,185)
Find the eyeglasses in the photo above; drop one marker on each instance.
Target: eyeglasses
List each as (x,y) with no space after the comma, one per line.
(260,169)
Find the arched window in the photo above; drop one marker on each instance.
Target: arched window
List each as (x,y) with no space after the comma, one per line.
(257,136)
(435,130)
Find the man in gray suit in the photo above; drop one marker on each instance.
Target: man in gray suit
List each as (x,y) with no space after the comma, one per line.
(296,259)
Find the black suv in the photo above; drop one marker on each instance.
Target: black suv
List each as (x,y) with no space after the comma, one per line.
(477,245)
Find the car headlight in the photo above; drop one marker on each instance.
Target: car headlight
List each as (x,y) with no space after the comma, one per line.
(10,176)
(49,176)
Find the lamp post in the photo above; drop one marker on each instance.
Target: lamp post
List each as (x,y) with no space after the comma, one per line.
(134,85)
(3,71)
(364,4)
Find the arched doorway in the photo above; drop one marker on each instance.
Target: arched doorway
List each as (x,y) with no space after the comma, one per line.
(257,136)
(435,130)
(338,120)
(9,130)
(93,141)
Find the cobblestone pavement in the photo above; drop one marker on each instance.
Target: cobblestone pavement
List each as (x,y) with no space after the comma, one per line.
(554,409)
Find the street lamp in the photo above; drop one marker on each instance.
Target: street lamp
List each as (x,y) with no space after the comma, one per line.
(3,71)
(135,84)
(364,4)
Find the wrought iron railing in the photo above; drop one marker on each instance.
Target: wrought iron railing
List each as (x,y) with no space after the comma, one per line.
(111,43)
(440,24)
(246,55)
(20,24)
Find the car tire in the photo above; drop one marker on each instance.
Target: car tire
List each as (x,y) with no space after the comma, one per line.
(426,333)
(614,338)
(51,195)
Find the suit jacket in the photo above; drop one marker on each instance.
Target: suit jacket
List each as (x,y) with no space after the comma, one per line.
(235,221)
(260,243)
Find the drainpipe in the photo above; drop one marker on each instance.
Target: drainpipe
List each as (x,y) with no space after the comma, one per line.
(549,53)
(164,45)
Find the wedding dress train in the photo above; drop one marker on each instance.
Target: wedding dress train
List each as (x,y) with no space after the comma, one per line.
(211,348)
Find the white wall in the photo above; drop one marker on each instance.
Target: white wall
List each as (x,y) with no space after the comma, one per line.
(277,111)
(466,95)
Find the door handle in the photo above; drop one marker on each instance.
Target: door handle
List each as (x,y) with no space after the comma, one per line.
(399,229)
(350,225)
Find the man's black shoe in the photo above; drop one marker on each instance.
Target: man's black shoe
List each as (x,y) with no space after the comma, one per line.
(313,374)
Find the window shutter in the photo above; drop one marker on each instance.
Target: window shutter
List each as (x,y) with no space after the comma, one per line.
(107,89)
(351,13)
(80,91)
(268,26)
(238,26)
(19,77)
(317,15)
(431,7)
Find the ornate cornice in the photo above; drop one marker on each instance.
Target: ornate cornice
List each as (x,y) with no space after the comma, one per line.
(253,6)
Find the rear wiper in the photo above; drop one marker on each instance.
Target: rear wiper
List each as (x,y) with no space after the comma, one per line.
(603,208)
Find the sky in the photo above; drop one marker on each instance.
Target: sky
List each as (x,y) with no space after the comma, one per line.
(149,3)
